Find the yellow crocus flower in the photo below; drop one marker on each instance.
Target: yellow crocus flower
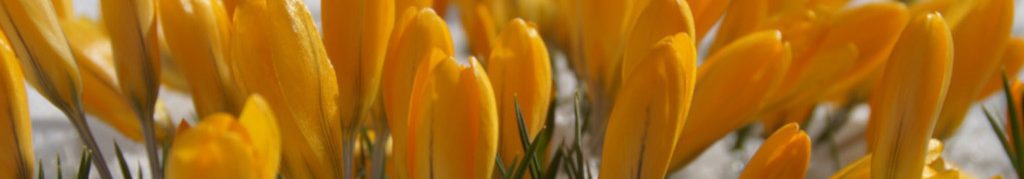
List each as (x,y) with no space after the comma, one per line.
(979,40)
(785,154)
(277,53)
(603,25)
(453,121)
(519,68)
(18,159)
(356,34)
(101,94)
(197,35)
(911,93)
(732,86)
(356,37)
(659,19)
(845,53)
(417,34)
(43,52)
(936,167)
(478,19)
(224,147)
(650,111)
(132,25)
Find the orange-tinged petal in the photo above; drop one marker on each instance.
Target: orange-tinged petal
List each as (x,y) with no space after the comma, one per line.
(18,159)
(197,34)
(705,14)
(911,93)
(732,85)
(519,69)
(603,34)
(978,40)
(743,17)
(650,111)
(356,34)
(480,27)
(1011,61)
(453,121)
(278,54)
(785,154)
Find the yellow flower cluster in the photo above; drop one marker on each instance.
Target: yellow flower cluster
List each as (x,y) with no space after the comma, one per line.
(378,92)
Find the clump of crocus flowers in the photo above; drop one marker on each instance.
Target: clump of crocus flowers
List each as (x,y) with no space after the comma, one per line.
(376,91)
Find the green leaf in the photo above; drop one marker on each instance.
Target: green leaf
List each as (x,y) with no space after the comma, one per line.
(60,175)
(1014,122)
(1002,139)
(84,165)
(42,174)
(139,163)
(501,167)
(125,172)
(552,171)
(525,139)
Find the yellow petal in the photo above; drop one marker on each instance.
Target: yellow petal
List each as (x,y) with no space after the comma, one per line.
(218,147)
(405,4)
(16,142)
(453,121)
(1012,61)
(650,110)
(258,120)
(936,167)
(101,95)
(279,54)
(479,26)
(603,28)
(418,32)
(705,14)
(785,154)
(743,18)
(855,44)
(63,9)
(954,11)
(132,26)
(979,40)
(858,169)
(659,19)
(356,35)
(732,85)
(519,68)
(43,51)
(912,90)
(873,29)
(197,33)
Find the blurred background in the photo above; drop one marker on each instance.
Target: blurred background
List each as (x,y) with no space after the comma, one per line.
(974,148)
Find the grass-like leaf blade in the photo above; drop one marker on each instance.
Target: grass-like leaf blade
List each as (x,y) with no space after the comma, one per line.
(84,165)
(525,139)
(125,172)
(999,133)
(1014,122)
